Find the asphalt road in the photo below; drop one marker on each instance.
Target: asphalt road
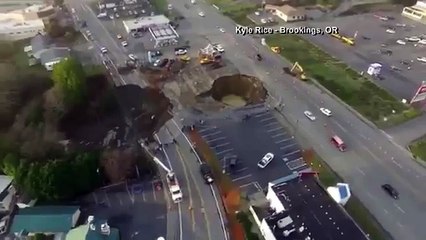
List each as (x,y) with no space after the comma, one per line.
(373,158)
(184,220)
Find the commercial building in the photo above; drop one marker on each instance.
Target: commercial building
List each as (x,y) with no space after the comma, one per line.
(416,12)
(93,230)
(299,208)
(287,12)
(24,23)
(159,27)
(49,220)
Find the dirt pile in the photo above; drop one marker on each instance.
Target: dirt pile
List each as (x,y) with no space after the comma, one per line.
(238,90)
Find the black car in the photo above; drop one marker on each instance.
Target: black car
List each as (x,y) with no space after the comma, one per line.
(390,190)
(259,57)
(163,62)
(206,173)
(233,165)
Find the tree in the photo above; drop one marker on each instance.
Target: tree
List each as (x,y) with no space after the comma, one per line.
(68,76)
(10,164)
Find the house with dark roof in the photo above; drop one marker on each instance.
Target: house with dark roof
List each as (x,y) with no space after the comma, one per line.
(39,44)
(299,208)
(49,220)
(52,56)
(94,230)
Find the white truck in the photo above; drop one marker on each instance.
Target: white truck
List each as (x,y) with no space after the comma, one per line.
(172,182)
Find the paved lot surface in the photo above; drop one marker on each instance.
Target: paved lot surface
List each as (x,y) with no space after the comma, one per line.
(373,158)
(402,82)
(248,141)
(126,207)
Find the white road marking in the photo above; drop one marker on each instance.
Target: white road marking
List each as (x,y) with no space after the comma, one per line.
(340,126)
(216,139)
(274,129)
(397,164)
(261,114)
(225,151)
(153,192)
(240,178)
(241,170)
(362,172)
(399,208)
(284,140)
(288,146)
(247,184)
(257,185)
(271,123)
(221,145)
(386,211)
(211,134)
(143,196)
(291,153)
(266,119)
(278,135)
(206,129)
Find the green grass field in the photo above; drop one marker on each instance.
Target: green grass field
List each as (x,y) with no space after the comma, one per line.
(354,207)
(418,149)
(371,101)
(237,11)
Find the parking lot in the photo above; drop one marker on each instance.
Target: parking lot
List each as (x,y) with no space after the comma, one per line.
(125,207)
(401,70)
(249,140)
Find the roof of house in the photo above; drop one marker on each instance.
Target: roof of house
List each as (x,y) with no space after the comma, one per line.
(53,219)
(39,42)
(84,232)
(308,204)
(54,54)
(285,9)
(5,182)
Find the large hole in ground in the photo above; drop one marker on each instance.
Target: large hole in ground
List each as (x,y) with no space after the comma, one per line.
(238,90)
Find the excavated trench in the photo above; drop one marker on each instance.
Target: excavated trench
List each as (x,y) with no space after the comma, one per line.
(238,90)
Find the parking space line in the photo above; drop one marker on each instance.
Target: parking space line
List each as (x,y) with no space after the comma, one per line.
(284,140)
(241,170)
(288,146)
(107,199)
(153,192)
(274,129)
(240,178)
(225,151)
(247,184)
(222,145)
(95,198)
(211,134)
(216,139)
(271,123)
(228,157)
(257,185)
(119,199)
(206,129)
(143,196)
(261,114)
(279,134)
(292,153)
(266,119)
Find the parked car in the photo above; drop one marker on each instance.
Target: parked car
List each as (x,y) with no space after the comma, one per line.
(119,36)
(104,50)
(201,14)
(156,54)
(219,48)
(180,51)
(133,57)
(390,190)
(326,112)
(206,173)
(124,43)
(265,160)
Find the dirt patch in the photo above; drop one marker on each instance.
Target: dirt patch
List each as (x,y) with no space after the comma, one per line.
(238,90)
(158,76)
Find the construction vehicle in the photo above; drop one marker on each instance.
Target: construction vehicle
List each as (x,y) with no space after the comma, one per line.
(209,54)
(185,58)
(297,71)
(347,40)
(171,179)
(276,49)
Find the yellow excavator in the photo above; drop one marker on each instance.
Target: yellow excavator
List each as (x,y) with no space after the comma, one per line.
(297,71)
(276,49)
(347,40)
(185,58)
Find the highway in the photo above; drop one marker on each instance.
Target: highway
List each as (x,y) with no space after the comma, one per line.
(199,216)
(373,157)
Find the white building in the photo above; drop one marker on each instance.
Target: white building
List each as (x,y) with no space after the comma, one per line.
(287,12)
(7,194)
(45,52)
(416,12)
(159,27)
(24,23)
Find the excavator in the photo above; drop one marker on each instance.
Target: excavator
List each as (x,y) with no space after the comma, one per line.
(209,55)
(297,71)
(276,49)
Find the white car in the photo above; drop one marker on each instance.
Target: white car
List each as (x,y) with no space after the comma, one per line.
(391,31)
(401,24)
(157,62)
(133,57)
(219,48)
(201,14)
(309,115)
(181,52)
(413,39)
(124,43)
(400,42)
(104,50)
(222,30)
(119,36)
(421,59)
(326,112)
(265,160)
(423,41)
